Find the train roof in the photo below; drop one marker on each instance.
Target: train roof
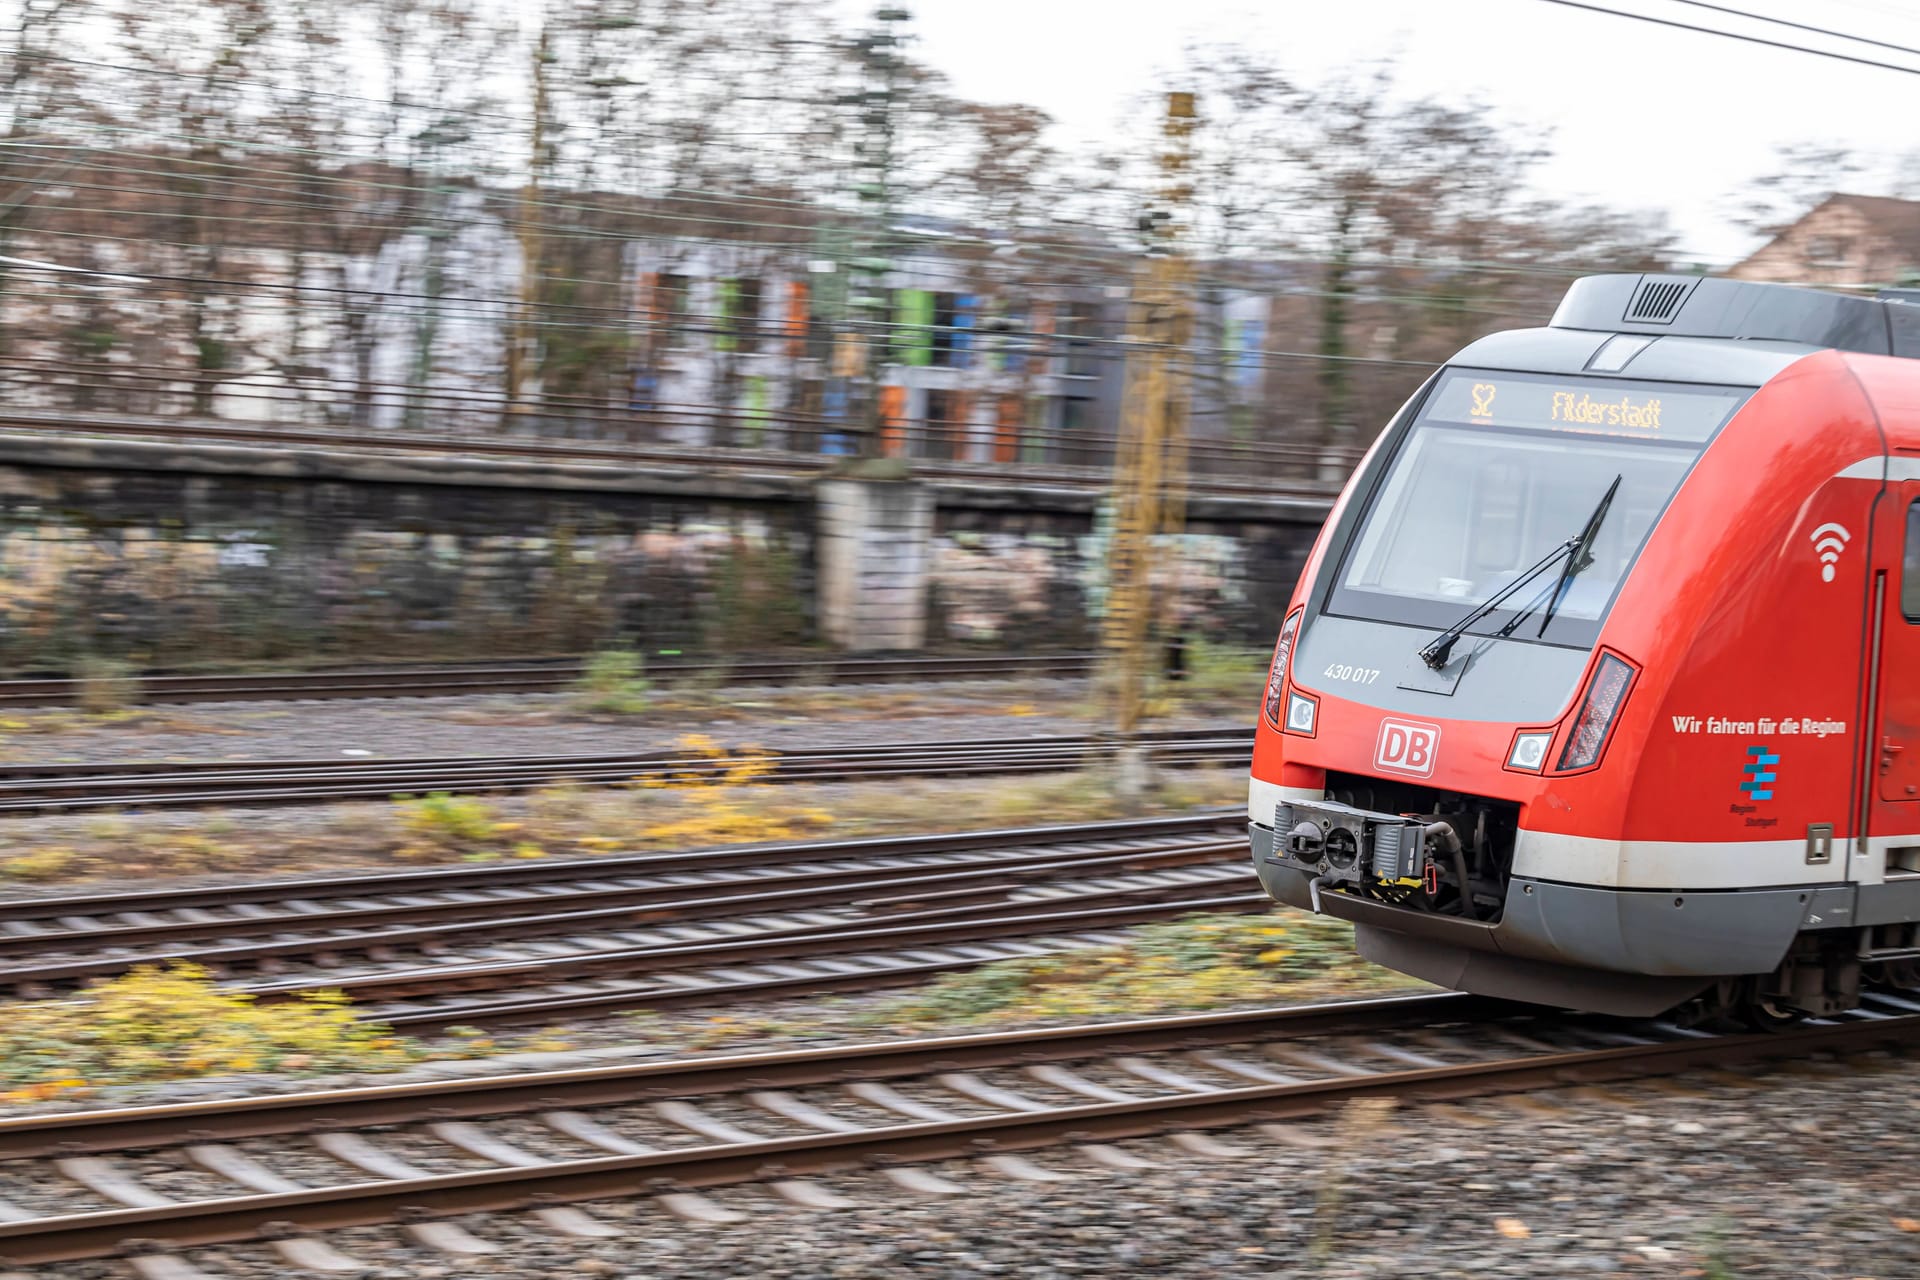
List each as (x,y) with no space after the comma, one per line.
(1704,307)
(1700,329)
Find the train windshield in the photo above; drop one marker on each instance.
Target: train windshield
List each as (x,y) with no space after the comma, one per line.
(1498,469)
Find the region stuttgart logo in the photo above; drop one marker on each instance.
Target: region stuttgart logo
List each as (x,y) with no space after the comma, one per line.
(1407,746)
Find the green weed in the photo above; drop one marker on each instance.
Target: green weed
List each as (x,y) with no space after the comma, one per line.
(106,685)
(1200,962)
(440,826)
(612,684)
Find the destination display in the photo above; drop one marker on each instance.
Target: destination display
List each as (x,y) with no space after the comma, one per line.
(1643,411)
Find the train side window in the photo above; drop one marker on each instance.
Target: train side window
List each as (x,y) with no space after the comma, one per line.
(1910,567)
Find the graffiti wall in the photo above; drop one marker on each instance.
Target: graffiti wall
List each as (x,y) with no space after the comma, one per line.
(1030,578)
(185,570)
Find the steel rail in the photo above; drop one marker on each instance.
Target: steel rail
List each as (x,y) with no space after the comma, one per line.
(34,788)
(610,866)
(24,1137)
(269,791)
(738,991)
(914,932)
(204,1222)
(18,771)
(966,900)
(349,929)
(427,680)
(981,883)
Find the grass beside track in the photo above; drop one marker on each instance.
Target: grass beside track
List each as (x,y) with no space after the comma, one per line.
(1197,964)
(175,1024)
(562,821)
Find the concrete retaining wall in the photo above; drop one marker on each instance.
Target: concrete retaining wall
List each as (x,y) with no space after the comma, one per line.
(173,556)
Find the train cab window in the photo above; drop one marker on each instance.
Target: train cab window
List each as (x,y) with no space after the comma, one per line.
(1910,567)
(1497,471)
(1500,496)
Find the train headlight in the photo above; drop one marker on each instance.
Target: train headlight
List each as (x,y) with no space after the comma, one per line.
(1277,674)
(1529,750)
(1302,711)
(1606,692)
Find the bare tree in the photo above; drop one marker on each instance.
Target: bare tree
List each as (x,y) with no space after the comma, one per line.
(39,93)
(336,197)
(193,63)
(1803,174)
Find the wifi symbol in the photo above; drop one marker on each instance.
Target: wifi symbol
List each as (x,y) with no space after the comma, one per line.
(1829,540)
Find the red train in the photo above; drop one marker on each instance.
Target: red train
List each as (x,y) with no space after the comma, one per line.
(1601,687)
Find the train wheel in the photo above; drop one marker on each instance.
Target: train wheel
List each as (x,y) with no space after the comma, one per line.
(1765,1015)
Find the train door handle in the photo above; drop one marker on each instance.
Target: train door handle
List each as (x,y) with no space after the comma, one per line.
(1888,750)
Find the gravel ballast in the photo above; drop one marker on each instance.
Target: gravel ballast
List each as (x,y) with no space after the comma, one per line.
(1799,1175)
(548,724)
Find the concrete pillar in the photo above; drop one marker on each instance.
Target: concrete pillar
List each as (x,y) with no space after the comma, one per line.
(874,555)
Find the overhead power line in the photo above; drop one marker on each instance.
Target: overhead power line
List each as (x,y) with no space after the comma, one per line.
(1786,45)
(1799,26)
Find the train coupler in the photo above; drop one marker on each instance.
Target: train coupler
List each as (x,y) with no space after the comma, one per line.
(1344,844)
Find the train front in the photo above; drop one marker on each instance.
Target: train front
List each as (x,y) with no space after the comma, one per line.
(1440,758)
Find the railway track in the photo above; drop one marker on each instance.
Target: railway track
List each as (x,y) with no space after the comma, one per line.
(432,949)
(37,788)
(545,676)
(707,975)
(904,1118)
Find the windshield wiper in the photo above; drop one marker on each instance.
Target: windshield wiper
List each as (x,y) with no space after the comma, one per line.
(1440,648)
(1578,549)
(1582,552)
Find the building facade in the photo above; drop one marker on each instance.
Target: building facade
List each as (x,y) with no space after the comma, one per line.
(1845,240)
(976,349)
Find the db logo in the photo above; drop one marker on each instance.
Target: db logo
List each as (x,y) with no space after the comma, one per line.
(1407,746)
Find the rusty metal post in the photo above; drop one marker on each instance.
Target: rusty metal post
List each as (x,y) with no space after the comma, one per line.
(1150,456)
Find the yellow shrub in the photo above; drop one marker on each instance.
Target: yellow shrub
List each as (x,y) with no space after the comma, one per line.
(187,852)
(162,1024)
(50,863)
(719,799)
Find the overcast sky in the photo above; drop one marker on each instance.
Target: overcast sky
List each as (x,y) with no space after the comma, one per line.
(1641,116)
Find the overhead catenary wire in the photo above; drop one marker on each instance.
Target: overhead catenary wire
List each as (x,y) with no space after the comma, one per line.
(922,271)
(1744,37)
(1107,256)
(682,194)
(819,214)
(422,219)
(674,195)
(1108,260)
(919,271)
(1798,26)
(731,199)
(521,123)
